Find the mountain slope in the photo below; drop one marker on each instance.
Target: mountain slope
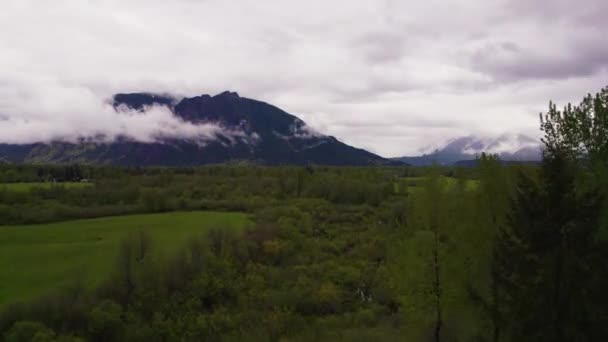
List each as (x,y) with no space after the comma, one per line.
(251,131)
(511,148)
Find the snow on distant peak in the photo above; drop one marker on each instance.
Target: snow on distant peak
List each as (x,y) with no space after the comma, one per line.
(506,143)
(434,147)
(509,147)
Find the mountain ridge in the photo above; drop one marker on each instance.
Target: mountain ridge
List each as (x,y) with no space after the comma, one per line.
(249,130)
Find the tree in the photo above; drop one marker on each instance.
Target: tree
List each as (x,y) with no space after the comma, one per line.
(133,258)
(579,132)
(484,284)
(26,331)
(104,322)
(417,258)
(549,252)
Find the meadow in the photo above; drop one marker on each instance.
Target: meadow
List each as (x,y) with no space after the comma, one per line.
(35,259)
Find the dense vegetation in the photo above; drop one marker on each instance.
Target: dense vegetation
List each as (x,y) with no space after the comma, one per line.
(492,253)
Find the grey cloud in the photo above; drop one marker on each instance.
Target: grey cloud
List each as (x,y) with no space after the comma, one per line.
(381,47)
(543,40)
(588,12)
(367,89)
(411,72)
(411,123)
(510,62)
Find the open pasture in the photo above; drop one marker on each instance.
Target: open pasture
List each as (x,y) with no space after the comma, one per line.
(35,259)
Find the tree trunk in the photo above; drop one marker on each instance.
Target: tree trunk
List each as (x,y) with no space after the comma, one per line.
(496,319)
(437,288)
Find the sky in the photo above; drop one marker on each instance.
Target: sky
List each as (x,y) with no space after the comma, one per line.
(391,76)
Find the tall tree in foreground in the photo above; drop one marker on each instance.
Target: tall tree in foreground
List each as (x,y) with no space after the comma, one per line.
(432,219)
(492,204)
(551,253)
(434,226)
(418,265)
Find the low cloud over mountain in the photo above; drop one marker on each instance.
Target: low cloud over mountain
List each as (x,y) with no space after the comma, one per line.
(149,129)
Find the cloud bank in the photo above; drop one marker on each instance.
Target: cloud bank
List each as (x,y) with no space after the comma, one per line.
(73,114)
(391,76)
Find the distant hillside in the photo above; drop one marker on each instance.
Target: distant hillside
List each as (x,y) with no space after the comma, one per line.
(464,150)
(253,131)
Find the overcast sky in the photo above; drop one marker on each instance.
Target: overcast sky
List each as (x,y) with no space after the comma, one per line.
(391,76)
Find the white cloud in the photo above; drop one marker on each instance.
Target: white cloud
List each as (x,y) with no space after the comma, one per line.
(73,114)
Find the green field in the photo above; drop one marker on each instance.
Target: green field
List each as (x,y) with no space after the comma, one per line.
(38,258)
(29,186)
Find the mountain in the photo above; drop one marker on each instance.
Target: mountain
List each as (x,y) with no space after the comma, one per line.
(517,148)
(251,131)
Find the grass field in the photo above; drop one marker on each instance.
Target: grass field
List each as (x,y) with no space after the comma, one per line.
(38,258)
(28,186)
